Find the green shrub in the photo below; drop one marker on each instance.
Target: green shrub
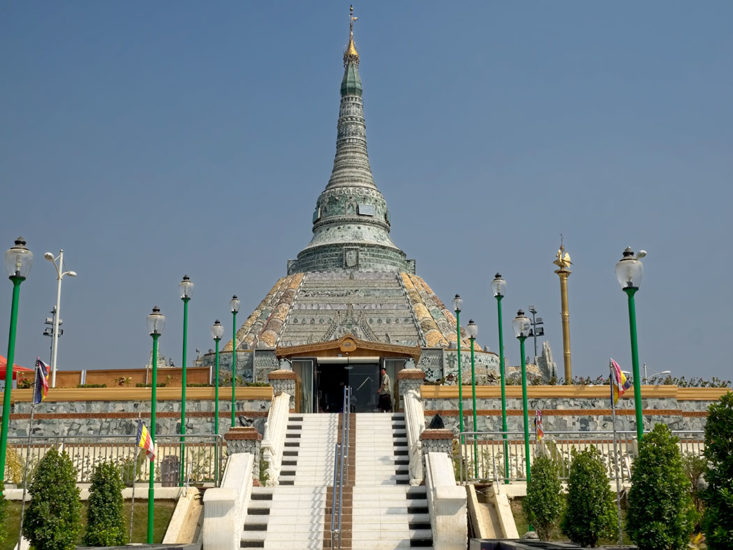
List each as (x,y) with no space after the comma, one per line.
(544,501)
(53,518)
(591,511)
(105,522)
(660,515)
(718,518)
(695,467)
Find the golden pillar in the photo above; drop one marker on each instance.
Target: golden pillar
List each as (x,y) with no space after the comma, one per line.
(562,261)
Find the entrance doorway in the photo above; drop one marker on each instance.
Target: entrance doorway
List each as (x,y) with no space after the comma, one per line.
(363,379)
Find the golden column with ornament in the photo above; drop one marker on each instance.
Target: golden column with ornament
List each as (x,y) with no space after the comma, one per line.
(562,261)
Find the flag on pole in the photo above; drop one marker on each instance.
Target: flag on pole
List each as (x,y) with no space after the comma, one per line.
(144,441)
(40,389)
(620,383)
(538,425)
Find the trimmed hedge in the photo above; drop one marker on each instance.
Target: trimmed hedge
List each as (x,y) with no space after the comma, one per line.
(53,518)
(661,516)
(591,512)
(105,521)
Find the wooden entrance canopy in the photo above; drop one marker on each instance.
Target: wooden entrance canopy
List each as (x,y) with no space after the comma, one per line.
(349,346)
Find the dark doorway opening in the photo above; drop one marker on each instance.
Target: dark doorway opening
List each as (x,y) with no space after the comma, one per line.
(363,379)
(331,380)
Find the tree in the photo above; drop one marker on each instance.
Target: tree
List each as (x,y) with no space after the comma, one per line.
(53,518)
(544,501)
(660,515)
(591,513)
(718,519)
(105,521)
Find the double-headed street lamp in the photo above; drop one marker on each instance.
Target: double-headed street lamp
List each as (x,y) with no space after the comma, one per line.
(629,272)
(472,330)
(661,372)
(234,307)
(522,327)
(58,264)
(186,287)
(457,304)
(18,261)
(497,287)
(156,323)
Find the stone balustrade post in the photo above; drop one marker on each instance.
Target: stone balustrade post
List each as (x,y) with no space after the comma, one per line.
(410,379)
(245,440)
(283,381)
(437,441)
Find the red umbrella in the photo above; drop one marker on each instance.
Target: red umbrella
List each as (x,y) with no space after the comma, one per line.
(16,368)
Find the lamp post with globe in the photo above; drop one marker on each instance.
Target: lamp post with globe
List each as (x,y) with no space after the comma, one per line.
(522,327)
(457,305)
(156,323)
(18,261)
(497,287)
(234,307)
(629,272)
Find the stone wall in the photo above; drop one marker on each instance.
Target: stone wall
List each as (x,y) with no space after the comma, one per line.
(571,408)
(84,415)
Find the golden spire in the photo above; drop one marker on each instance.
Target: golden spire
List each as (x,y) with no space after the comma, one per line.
(351,55)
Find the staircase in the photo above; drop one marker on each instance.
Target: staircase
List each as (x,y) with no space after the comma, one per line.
(387,512)
(381,510)
(291,515)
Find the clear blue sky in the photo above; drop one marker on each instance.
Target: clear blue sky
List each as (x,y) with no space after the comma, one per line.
(153,140)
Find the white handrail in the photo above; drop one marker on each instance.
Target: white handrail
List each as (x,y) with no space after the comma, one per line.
(415,425)
(273,442)
(225,506)
(447,503)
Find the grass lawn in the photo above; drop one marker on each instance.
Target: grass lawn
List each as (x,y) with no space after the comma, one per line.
(163,513)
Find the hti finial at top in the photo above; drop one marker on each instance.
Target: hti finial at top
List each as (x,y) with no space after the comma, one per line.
(562,258)
(351,55)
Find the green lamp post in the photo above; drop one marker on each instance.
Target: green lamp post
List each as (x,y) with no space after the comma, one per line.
(497,287)
(629,272)
(522,328)
(457,304)
(186,287)
(156,322)
(472,330)
(18,261)
(217,331)
(234,306)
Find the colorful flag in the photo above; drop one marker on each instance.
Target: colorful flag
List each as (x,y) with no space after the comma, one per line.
(538,425)
(144,441)
(619,382)
(40,390)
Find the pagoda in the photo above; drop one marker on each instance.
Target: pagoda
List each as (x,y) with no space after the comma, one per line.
(351,301)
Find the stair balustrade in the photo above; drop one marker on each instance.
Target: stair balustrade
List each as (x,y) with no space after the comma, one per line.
(225,506)
(273,441)
(415,425)
(447,503)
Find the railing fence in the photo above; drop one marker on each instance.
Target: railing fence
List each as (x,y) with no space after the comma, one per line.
(488,459)
(204,456)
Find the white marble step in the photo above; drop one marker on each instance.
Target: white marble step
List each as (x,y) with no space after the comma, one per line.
(296,518)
